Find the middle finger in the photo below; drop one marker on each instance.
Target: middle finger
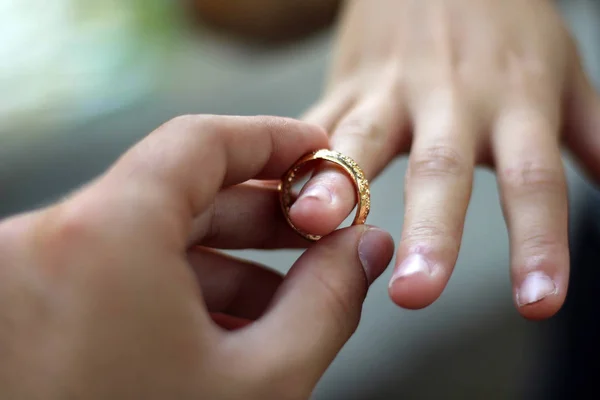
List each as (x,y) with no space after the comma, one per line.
(438,188)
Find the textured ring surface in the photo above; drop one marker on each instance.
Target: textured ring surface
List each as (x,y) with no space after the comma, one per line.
(348,165)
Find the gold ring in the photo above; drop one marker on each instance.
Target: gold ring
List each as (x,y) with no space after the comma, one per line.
(348,165)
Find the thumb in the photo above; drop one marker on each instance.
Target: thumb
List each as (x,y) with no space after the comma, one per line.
(583,123)
(318,306)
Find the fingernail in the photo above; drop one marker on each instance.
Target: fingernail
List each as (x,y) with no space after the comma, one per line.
(375,250)
(412,265)
(318,192)
(536,286)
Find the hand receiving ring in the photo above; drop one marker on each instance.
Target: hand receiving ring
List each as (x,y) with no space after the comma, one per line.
(348,165)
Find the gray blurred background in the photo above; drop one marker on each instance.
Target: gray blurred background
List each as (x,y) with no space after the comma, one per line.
(58,133)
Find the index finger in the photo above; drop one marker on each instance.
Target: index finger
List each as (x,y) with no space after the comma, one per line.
(190,158)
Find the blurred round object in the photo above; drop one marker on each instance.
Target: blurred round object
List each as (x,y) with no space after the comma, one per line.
(268,20)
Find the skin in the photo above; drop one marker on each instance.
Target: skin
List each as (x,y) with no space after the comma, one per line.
(456,84)
(120,291)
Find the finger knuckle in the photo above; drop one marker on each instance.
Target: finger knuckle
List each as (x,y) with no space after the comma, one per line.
(210,130)
(183,119)
(362,127)
(540,245)
(540,242)
(525,71)
(71,225)
(433,232)
(205,125)
(527,119)
(447,98)
(274,126)
(531,177)
(273,123)
(437,161)
(63,234)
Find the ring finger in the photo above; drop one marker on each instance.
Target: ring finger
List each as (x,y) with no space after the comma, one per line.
(370,134)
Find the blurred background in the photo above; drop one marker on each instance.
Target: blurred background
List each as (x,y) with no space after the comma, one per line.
(82,80)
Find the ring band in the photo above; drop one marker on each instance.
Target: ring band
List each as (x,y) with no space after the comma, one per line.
(348,165)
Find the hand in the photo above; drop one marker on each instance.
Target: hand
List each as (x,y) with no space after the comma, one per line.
(113,292)
(460,82)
